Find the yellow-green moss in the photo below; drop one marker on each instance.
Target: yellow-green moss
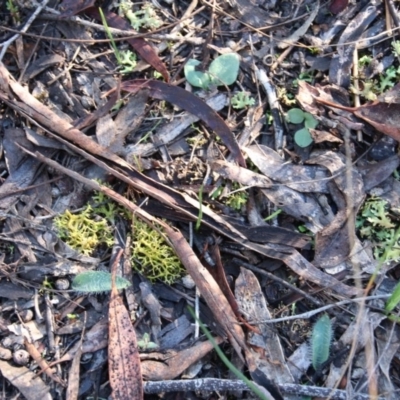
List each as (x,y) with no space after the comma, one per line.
(151,255)
(83,231)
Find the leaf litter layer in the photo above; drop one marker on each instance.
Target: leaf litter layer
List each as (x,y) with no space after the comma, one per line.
(273,186)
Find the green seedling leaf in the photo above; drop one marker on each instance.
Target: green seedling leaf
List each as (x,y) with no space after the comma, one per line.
(196,78)
(295,116)
(97,282)
(394,299)
(321,341)
(224,69)
(303,137)
(309,121)
(241,100)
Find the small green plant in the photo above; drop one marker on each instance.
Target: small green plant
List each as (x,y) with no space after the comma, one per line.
(286,98)
(376,224)
(238,199)
(126,60)
(146,344)
(388,79)
(396,48)
(368,90)
(144,18)
(302,137)
(152,256)
(14,10)
(321,341)
(97,282)
(223,71)
(241,100)
(364,61)
(303,76)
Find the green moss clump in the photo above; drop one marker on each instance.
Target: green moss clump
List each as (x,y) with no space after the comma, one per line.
(84,231)
(152,257)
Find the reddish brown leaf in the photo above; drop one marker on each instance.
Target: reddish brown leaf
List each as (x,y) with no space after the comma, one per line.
(337,6)
(384,117)
(70,8)
(139,44)
(189,102)
(123,355)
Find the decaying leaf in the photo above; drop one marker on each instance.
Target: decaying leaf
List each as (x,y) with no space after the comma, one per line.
(123,352)
(172,364)
(270,360)
(26,381)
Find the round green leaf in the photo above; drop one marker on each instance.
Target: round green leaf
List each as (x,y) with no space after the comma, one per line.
(196,78)
(303,138)
(224,69)
(295,116)
(310,122)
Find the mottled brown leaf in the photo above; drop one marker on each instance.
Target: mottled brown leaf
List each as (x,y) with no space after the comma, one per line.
(189,102)
(123,354)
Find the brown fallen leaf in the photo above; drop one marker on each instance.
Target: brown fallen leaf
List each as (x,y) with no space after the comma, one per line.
(191,103)
(123,354)
(172,365)
(26,381)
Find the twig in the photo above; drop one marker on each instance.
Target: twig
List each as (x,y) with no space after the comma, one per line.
(211,385)
(309,314)
(274,106)
(5,45)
